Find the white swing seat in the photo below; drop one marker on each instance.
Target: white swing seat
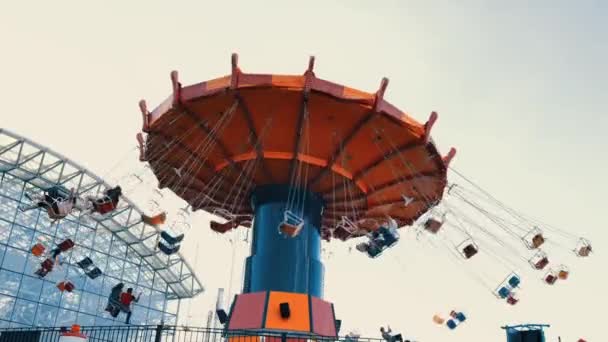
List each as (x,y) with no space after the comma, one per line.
(292,224)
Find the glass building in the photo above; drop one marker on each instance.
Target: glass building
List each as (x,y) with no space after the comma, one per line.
(118,243)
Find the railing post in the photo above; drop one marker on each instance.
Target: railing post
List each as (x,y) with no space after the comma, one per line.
(159,333)
(283,337)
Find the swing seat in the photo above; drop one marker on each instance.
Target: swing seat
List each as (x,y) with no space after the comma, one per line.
(514,281)
(390,237)
(66,286)
(541,264)
(512,300)
(362,247)
(171,240)
(47,264)
(104,205)
(292,224)
(504,292)
(469,251)
(66,245)
(94,273)
(154,220)
(433,225)
(538,240)
(584,251)
(550,279)
(451,324)
(85,263)
(221,227)
(461,317)
(534,238)
(58,192)
(373,250)
(345,228)
(41,272)
(38,249)
(437,319)
(168,250)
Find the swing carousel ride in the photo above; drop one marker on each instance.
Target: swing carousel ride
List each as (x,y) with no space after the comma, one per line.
(299,159)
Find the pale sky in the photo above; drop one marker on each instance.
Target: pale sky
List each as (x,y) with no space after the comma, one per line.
(520,88)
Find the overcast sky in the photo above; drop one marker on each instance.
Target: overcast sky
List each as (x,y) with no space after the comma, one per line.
(520,88)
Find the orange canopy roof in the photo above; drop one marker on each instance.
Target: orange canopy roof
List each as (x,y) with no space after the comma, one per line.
(213,142)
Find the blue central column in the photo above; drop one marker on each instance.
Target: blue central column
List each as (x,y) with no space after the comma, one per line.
(279,262)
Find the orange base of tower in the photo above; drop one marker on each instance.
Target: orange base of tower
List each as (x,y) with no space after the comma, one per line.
(273,311)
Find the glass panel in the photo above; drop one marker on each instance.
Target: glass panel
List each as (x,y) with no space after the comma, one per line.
(50,294)
(70,300)
(6,307)
(85,236)
(14,260)
(67,229)
(2,250)
(9,282)
(115,267)
(85,320)
(89,303)
(155,317)
(45,317)
(65,318)
(131,272)
(27,218)
(94,285)
(24,312)
(30,288)
(139,316)
(170,319)
(157,300)
(44,225)
(5,226)
(21,237)
(101,321)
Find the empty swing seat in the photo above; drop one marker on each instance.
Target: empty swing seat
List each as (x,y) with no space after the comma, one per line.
(94,273)
(512,300)
(584,251)
(85,263)
(542,263)
(514,281)
(433,225)
(38,249)
(538,240)
(66,245)
(461,317)
(47,264)
(437,319)
(451,324)
(469,251)
(373,250)
(172,240)
(221,227)
(154,220)
(292,224)
(65,286)
(550,279)
(168,250)
(504,292)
